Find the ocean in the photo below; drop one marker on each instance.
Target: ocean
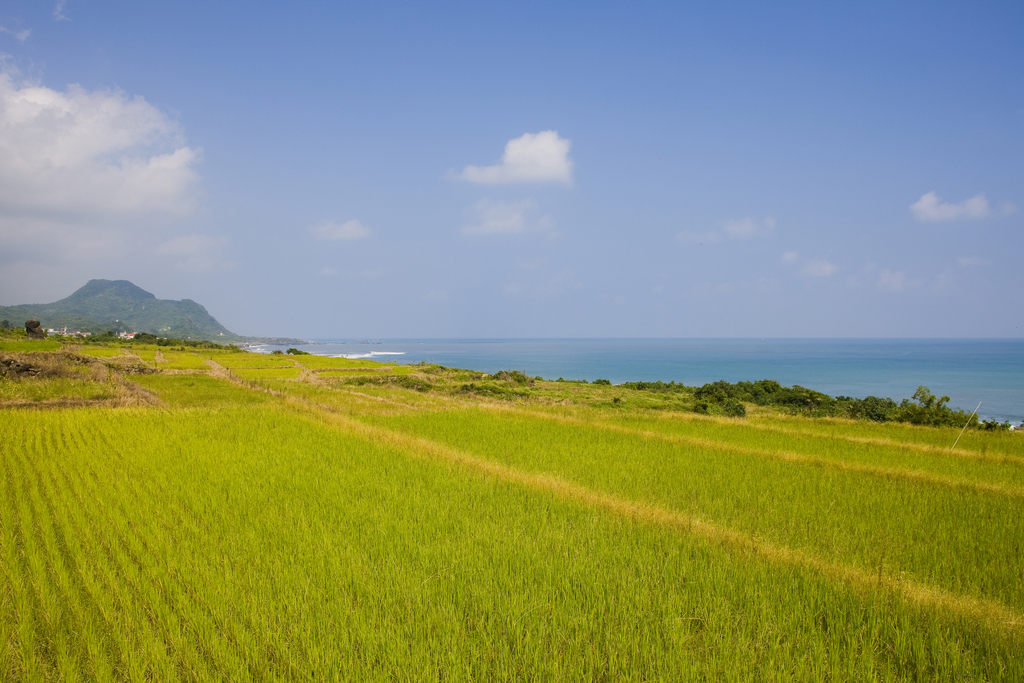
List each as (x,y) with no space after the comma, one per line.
(969,371)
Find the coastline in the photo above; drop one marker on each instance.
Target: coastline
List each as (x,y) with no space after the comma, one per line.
(968,370)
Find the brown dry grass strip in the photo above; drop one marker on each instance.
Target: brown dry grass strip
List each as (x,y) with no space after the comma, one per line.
(379,399)
(987,611)
(916,476)
(356,371)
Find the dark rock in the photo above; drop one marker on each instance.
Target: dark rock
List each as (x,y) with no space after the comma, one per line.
(12,367)
(35,329)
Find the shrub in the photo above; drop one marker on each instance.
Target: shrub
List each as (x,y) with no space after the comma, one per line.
(513,376)
(928,409)
(734,408)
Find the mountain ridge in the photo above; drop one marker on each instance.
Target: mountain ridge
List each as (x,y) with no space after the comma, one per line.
(122,306)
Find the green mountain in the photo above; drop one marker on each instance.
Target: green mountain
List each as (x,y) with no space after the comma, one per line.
(119,305)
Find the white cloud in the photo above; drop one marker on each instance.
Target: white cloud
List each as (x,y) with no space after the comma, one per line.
(818,268)
(58,10)
(89,181)
(972,262)
(746,228)
(530,158)
(814,267)
(99,154)
(931,209)
(329,272)
(349,230)
(489,217)
(738,229)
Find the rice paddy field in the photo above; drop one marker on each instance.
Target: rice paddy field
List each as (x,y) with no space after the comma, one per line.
(270,518)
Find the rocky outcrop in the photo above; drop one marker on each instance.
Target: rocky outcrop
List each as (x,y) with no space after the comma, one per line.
(13,367)
(35,329)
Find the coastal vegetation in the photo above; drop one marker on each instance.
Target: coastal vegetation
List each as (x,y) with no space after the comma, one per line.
(180,512)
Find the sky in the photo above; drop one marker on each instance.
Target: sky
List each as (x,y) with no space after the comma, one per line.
(331,170)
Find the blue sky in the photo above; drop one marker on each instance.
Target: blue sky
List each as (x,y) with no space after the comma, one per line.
(333,170)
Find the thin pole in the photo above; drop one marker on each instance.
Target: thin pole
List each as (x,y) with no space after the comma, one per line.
(965,426)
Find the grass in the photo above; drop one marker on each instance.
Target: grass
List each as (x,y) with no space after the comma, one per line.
(55,388)
(281,524)
(26,346)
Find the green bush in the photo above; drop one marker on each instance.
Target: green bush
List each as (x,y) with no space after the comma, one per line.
(734,408)
(513,376)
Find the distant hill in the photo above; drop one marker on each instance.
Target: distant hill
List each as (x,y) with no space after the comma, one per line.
(119,305)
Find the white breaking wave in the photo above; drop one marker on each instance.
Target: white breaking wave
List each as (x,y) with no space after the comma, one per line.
(369,355)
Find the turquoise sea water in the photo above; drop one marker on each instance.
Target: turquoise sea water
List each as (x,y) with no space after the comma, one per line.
(967,370)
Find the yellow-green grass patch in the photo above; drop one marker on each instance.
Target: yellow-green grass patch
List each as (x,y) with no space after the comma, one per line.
(267,373)
(243,543)
(957,538)
(28,346)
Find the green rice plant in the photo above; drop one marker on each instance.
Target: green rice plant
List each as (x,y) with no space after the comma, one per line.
(54,388)
(327,362)
(182,360)
(841,446)
(146,352)
(267,373)
(253,360)
(27,346)
(962,539)
(198,391)
(249,542)
(100,351)
(1008,443)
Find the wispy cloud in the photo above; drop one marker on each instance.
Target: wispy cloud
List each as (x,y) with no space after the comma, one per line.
(972,262)
(20,34)
(931,209)
(745,228)
(488,217)
(893,281)
(331,231)
(530,158)
(814,267)
(58,10)
(738,229)
(819,268)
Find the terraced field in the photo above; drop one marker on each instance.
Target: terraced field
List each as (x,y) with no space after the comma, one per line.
(279,518)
